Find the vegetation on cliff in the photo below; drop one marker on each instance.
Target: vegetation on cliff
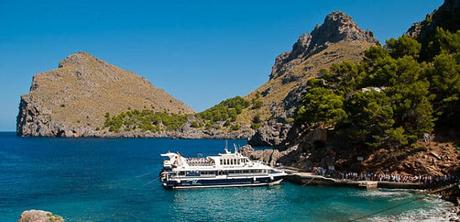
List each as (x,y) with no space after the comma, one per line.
(447,17)
(145,120)
(225,110)
(393,97)
(274,103)
(151,121)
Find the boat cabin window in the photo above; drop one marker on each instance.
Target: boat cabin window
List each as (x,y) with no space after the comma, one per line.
(232,161)
(192,173)
(206,173)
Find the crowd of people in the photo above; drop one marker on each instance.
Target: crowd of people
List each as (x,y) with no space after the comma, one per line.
(390,177)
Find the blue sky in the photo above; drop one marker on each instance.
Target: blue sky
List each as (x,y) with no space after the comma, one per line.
(199,51)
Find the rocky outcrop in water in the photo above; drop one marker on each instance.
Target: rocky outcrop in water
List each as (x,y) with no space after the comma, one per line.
(35,120)
(39,216)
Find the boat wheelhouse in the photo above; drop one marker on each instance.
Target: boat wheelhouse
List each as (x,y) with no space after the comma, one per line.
(225,170)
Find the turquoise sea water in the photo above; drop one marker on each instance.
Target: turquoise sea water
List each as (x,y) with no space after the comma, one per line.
(117,180)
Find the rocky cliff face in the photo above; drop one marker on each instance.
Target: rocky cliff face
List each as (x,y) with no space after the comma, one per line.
(337,27)
(72,100)
(268,156)
(338,39)
(447,16)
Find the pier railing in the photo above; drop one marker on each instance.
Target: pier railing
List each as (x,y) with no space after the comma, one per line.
(384,180)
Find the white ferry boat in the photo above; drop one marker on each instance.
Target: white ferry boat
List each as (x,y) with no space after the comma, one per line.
(225,170)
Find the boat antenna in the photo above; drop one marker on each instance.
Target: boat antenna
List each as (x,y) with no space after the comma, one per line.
(226,144)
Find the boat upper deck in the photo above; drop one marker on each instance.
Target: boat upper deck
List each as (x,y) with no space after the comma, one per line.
(223,161)
(200,162)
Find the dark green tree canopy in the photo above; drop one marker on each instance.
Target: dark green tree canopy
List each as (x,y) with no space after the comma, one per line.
(404,46)
(393,96)
(322,107)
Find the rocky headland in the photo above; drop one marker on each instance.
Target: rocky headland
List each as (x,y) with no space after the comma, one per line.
(72,100)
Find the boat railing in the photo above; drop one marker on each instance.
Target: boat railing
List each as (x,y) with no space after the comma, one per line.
(214,175)
(247,174)
(199,162)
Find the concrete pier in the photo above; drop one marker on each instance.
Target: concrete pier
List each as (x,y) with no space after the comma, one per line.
(305,178)
(368,185)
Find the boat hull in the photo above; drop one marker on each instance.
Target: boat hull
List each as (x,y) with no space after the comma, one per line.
(216,183)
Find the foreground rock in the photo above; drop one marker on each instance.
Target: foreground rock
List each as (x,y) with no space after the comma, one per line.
(452,194)
(338,39)
(72,100)
(39,216)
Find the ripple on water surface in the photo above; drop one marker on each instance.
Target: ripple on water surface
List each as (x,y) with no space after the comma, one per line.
(117,180)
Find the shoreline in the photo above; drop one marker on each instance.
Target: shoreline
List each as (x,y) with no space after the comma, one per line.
(189,134)
(447,192)
(173,135)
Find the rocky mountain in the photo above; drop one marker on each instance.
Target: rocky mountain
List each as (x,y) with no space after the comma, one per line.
(446,17)
(433,152)
(338,39)
(73,99)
